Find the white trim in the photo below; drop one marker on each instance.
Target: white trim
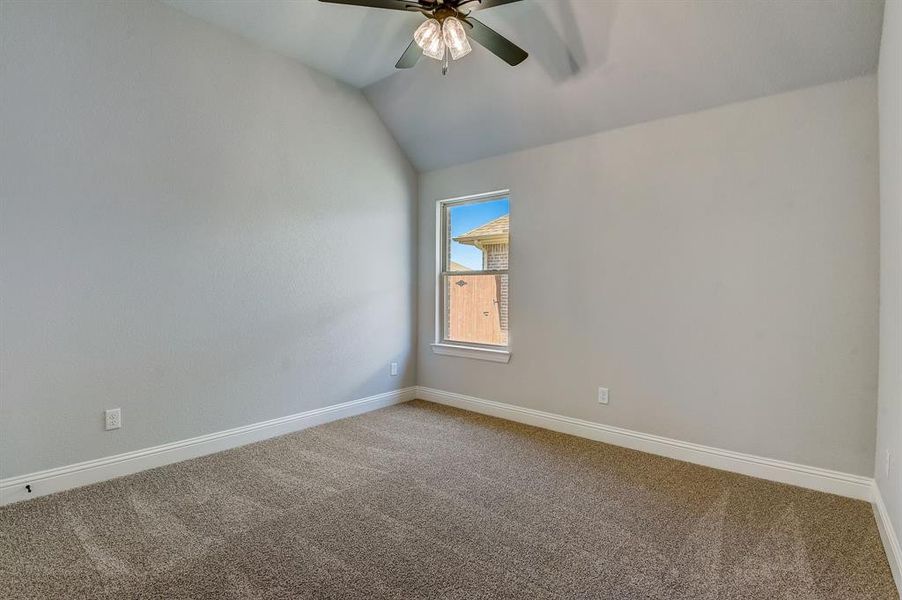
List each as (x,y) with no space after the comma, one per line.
(474,197)
(888,535)
(476,352)
(46,482)
(815,478)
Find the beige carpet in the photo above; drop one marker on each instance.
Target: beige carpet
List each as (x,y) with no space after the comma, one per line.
(420,501)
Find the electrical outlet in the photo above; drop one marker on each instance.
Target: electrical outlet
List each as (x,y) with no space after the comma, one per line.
(394,368)
(602,395)
(888,462)
(112,418)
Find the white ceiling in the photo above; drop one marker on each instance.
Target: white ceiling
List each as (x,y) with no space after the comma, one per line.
(356,45)
(594,65)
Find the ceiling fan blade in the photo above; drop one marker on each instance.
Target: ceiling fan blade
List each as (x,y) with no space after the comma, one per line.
(389,4)
(483,4)
(410,56)
(495,43)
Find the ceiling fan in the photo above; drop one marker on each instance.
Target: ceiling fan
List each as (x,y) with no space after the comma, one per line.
(447,30)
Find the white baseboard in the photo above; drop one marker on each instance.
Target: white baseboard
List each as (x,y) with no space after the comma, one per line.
(888,535)
(815,478)
(46,482)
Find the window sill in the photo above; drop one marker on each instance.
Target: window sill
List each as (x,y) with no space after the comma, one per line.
(489,354)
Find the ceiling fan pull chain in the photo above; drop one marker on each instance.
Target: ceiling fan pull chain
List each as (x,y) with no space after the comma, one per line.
(445,62)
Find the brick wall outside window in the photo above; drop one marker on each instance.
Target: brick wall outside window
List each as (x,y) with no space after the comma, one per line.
(495,256)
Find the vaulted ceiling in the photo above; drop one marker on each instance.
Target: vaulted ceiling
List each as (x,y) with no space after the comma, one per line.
(594,65)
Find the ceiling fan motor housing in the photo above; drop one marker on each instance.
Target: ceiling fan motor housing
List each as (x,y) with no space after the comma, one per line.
(443,12)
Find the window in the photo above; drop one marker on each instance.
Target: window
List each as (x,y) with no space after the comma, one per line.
(473,292)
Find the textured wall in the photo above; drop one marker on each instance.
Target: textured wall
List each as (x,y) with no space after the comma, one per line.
(201,232)
(719,275)
(889,421)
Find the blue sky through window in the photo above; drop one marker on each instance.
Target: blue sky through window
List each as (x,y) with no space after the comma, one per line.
(470,216)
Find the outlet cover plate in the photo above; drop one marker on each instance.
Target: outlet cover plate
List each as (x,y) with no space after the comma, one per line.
(112,418)
(602,395)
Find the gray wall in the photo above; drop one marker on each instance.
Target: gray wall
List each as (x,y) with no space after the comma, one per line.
(199,231)
(889,420)
(717,271)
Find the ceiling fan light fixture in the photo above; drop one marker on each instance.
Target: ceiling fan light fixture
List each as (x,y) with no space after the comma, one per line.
(428,37)
(455,38)
(443,36)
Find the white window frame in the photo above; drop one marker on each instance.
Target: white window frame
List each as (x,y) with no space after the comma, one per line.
(441,345)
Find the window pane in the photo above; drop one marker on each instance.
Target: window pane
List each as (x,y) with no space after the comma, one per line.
(477,236)
(477,308)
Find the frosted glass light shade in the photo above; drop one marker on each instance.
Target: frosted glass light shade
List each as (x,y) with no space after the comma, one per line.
(455,38)
(428,37)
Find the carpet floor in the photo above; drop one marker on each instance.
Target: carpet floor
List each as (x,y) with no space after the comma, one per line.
(420,501)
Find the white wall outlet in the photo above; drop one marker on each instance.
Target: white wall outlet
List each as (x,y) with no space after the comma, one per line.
(112,418)
(887,462)
(602,395)
(394,368)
